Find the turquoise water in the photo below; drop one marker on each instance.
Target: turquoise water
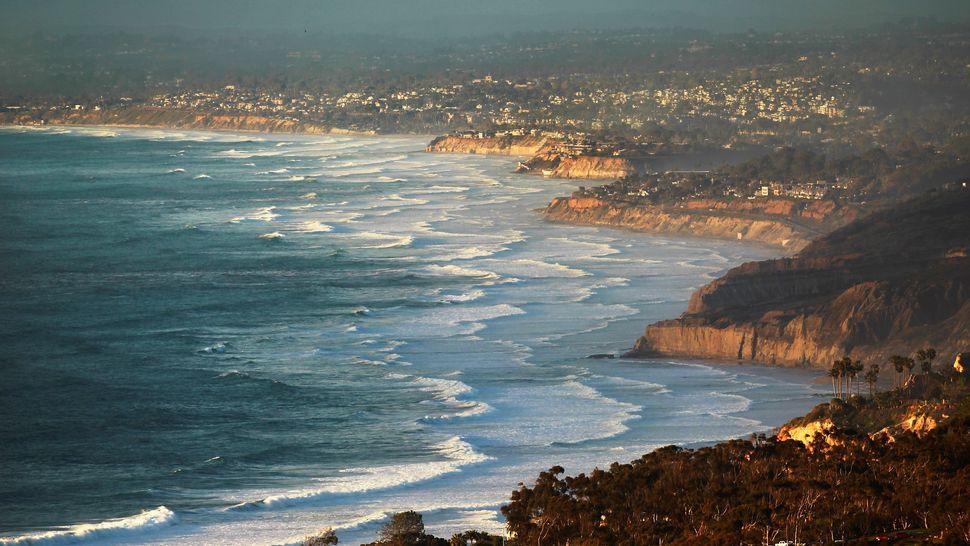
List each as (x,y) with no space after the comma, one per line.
(213,336)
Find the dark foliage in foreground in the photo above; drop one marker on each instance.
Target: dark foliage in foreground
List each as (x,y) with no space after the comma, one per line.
(760,491)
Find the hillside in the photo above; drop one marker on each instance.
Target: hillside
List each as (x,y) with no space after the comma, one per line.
(897,279)
(883,473)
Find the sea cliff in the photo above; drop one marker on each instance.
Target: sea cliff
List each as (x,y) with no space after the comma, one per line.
(882,285)
(543,157)
(507,145)
(699,223)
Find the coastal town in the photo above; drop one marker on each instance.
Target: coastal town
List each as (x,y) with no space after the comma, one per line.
(684,90)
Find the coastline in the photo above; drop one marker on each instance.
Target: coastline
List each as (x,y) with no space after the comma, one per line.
(713,427)
(593,212)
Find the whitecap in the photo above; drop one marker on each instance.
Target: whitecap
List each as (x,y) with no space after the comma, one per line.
(463,297)
(113,529)
(313,226)
(448,392)
(273,236)
(264,215)
(383,240)
(456,453)
(458,271)
(201,177)
(218,348)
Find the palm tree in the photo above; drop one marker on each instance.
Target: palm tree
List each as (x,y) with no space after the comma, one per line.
(925,358)
(910,364)
(899,364)
(834,373)
(872,376)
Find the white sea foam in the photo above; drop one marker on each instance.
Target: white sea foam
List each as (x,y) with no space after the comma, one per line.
(456,453)
(458,271)
(448,392)
(131,527)
(273,235)
(311,195)
(535,269)
(201,177)
(243,154)
(383,240)
(217,348)
(471,295)
(438,189)
(173,171)
(265,214)
(313,226)
(454,320)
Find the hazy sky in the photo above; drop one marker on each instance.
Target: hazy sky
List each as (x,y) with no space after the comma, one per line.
(429,18)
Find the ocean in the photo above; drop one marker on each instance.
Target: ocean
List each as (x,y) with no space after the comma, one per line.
(213,338)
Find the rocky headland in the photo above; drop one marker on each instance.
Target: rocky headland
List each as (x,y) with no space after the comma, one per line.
(541,156)
(881,285)
(779,230)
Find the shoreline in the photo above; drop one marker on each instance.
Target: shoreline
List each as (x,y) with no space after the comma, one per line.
(606,365)
(337,132)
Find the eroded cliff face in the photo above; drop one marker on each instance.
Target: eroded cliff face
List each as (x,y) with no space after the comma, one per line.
(880,286)
(596,212)
(178,119)
(515,146)
(582,167)
(542,158)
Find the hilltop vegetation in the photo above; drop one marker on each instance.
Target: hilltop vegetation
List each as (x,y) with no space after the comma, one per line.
(852,485)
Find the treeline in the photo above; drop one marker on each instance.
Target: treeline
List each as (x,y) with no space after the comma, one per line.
(762,491)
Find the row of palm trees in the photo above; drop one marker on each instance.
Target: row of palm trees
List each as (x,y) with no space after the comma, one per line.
(845,372)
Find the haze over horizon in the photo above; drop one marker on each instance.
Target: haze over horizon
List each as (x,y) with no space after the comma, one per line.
(439,18)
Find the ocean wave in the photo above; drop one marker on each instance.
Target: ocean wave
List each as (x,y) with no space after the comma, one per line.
(451,320)
(284,170)
(243,154)
(458,271)
(448,392)
(218,348)
(343,173)
(313,226)
(438,189)
(99,133)
(466,252)
(379,160)
(174,171)
(398,199)
(265,214)
(311,195)
(273,236)
(463,297)
(626,383)
(385,240)
(536,269)
(456,452)
(201,177)
(112,529)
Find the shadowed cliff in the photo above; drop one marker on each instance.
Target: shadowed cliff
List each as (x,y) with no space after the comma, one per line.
(897,279)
